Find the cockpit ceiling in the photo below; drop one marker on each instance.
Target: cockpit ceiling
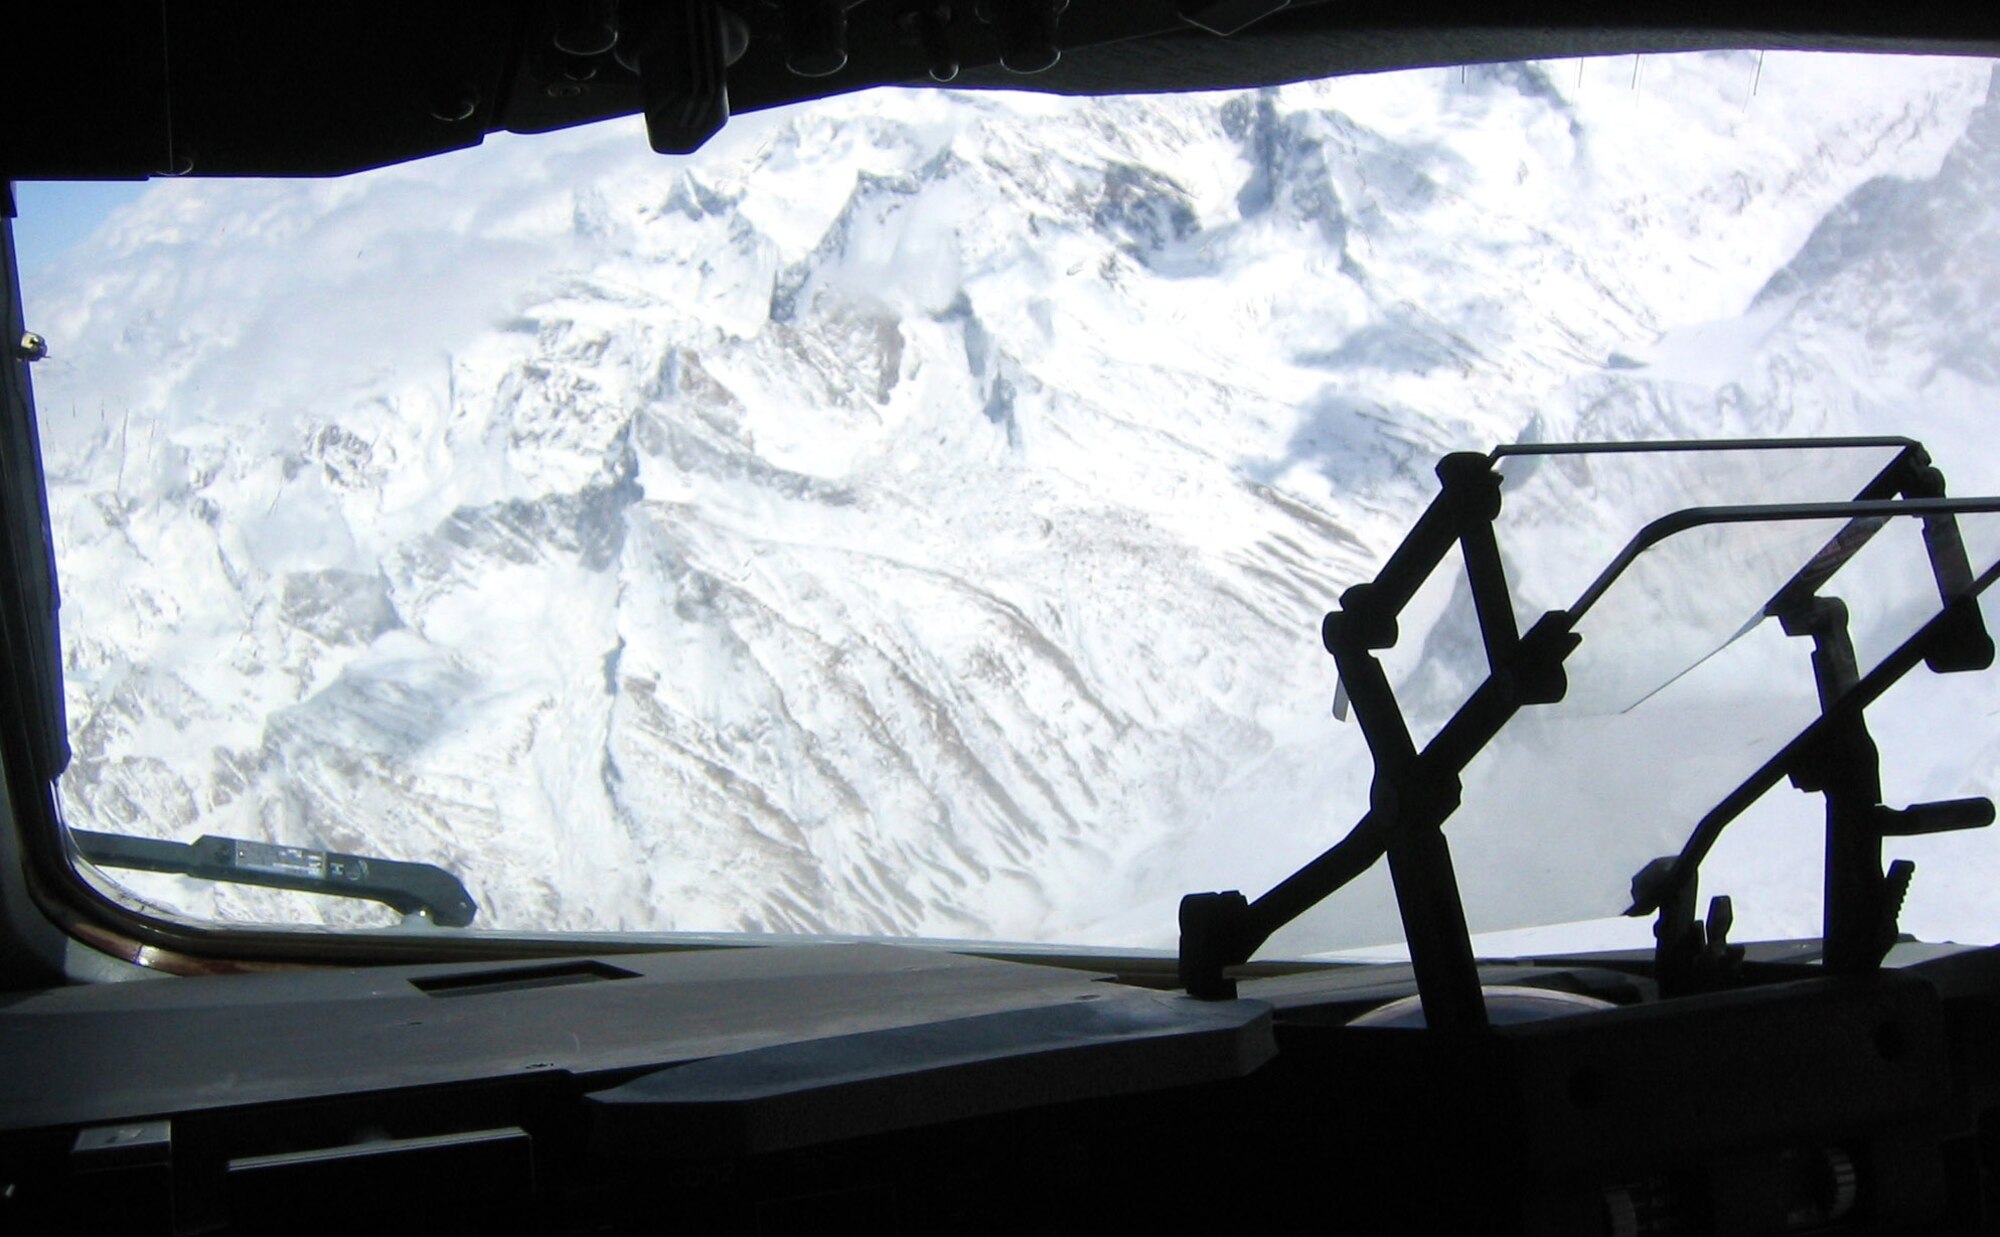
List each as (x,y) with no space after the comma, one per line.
(125,89)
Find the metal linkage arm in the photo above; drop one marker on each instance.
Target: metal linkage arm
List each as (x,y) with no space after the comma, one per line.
(1862,901)
(1963,643)
(1413,793)
(1835,757)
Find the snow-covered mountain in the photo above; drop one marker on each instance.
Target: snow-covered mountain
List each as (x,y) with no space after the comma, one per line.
(914,514)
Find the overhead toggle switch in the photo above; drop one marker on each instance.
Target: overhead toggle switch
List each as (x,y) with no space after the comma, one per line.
(584,27)
(816,36)
(1025,31)
(929,22)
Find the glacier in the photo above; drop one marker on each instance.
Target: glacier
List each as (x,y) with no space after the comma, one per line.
(913,515)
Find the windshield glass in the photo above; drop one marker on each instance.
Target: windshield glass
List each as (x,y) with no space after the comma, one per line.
(913,514)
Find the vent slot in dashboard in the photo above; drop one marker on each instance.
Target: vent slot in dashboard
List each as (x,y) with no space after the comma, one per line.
(515,979)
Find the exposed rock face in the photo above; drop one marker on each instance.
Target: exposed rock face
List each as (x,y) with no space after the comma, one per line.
(915,516)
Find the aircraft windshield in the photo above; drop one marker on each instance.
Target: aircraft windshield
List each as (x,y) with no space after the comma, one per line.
(913,514)
(1677,694)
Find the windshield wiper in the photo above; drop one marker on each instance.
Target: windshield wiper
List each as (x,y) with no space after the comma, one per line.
(412,888)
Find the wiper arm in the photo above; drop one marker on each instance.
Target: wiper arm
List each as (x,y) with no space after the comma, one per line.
(412,888)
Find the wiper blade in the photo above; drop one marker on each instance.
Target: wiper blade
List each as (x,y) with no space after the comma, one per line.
(412,888)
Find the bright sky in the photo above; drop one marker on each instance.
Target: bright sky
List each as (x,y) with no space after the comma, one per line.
(54,215)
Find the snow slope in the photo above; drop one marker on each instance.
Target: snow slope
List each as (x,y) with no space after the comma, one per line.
(914,514)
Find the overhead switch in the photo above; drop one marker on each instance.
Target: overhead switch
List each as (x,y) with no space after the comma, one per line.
(584,27)
(1025,31)
(816,36)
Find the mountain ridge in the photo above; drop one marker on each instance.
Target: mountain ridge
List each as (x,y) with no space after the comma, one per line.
(640,550)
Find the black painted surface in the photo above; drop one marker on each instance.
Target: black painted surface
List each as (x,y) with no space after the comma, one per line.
(91,1055)
(852,1086)
(125,89)
(1762,1109)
